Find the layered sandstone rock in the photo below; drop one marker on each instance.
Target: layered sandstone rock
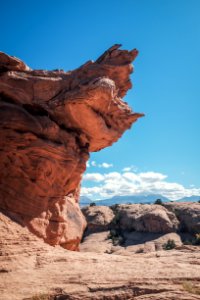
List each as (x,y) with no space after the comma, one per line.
(49,122)
(31,269)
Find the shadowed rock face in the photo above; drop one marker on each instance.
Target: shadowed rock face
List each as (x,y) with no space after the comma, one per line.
(49,122)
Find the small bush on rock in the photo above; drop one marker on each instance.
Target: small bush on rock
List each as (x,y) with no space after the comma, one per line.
(116,238)
(116,219)
(169,245)
(92,204)
(158,202)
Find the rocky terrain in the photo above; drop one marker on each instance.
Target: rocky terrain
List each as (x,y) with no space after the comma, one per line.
(140,228)
(139,269)
(49,123)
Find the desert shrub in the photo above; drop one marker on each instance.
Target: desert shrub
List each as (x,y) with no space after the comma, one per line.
(93,204)
(169,245)
(158,202)
(191,288)
(116,219)
(114,207)
(112,233)
(116,238)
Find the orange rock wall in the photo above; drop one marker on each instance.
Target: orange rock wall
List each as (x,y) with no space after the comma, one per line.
(49,122)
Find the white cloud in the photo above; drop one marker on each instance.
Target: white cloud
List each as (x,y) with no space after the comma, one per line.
(112,176)
(130,183)
(105,165)
(152,176)
(90,192)
(97,177)
(131,176)
(131,168)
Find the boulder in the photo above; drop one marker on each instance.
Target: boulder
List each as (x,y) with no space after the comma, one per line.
(188,215)
(99,218)
(145,218)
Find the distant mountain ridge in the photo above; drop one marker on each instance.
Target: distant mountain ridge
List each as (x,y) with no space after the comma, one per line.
(145,199)
(189,199)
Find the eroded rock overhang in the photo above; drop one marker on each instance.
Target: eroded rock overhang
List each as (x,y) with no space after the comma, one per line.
(49,122)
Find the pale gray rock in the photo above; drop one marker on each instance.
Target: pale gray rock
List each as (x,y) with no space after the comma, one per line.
(98,218)
(146,218)
(188,215)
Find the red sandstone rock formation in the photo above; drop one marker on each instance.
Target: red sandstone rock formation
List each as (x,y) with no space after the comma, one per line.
(49,122)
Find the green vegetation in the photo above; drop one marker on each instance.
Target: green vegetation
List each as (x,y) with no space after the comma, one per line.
(114,207)
(169,245)
(116,238)
(116,219)
(115,233)
(93,204)
(191,288)
(158,202)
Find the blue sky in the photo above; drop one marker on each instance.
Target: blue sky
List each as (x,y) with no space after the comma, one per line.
(65,34)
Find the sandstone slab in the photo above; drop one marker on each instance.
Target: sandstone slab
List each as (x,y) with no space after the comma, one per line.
(31,269)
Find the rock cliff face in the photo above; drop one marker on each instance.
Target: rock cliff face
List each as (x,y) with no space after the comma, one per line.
(49,122)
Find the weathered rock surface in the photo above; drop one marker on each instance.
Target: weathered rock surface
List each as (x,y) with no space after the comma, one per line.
(145,218)
(187,214)
(31,269)
(99,218)
(97,242)
(134,243)
(49,122)
(133,228)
